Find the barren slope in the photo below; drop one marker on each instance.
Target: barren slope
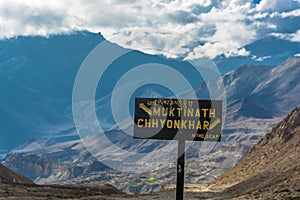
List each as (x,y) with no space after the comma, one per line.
(11,177)
(272,166)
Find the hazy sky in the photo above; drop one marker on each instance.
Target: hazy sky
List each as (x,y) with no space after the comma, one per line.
(186,28)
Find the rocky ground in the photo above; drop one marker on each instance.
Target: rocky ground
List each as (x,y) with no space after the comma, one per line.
(26,191)
(103,192)
(30,192)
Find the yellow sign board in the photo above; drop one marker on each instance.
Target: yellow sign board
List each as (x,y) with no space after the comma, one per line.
(178,119)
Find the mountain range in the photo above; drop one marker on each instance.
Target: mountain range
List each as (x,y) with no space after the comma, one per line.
(247,120)
(269,51)
(37,128)
(38,73)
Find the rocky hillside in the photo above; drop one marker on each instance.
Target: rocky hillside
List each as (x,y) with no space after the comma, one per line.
(16,186)
(9,176)
(30,192)
(272,167)
(33,166)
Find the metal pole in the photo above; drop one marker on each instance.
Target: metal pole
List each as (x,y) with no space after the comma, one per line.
(180,170)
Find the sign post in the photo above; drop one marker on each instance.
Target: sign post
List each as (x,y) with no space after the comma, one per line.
(180,170)
(178,119)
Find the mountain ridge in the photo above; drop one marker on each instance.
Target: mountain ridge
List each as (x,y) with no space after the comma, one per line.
(269,51)
(271,167)
(8,176)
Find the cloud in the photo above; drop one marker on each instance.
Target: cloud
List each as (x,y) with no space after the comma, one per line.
(188,29)
(295,37)
(182,17)
(237,52)
(260,58)
(277,5)
(159,41)
(293,13)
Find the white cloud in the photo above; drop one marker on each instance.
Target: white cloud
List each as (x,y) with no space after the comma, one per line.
(237,52)
(205,3)
(212,50)
(260,58)
(159,41)
(175,28)
(293,13)
(277,5)
(295,37)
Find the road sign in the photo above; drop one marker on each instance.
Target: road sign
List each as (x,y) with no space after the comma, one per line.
(178,119)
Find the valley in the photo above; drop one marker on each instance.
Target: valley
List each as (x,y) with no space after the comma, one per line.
(269,170)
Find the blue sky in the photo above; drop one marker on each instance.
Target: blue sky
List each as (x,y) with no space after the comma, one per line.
(256,1)
(176,28)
